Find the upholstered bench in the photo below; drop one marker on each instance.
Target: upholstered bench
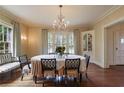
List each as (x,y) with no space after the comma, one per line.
(7,65)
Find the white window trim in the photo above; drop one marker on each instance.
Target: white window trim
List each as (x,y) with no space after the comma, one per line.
(9,26)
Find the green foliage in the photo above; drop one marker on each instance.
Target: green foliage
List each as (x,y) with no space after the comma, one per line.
(60,49)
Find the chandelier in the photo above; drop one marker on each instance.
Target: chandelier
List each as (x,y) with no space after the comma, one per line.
(60,24)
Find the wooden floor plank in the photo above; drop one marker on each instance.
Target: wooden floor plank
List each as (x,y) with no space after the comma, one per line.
(98,77)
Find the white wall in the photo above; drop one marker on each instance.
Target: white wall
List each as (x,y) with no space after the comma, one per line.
(100,36)
(111,41)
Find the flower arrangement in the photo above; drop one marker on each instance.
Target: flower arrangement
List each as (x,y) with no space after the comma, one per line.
(60,50)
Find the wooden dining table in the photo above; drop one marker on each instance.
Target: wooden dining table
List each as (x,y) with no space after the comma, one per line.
(37,68)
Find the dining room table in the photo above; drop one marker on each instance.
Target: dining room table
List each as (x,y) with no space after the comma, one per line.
(60,63)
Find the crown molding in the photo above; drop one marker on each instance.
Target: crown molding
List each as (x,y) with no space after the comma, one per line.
(7,14)
(12,17)
(107,13)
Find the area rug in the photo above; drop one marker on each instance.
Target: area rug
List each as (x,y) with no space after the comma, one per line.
(27,82)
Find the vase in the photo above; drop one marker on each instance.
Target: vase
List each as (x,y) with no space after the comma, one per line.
(60,55)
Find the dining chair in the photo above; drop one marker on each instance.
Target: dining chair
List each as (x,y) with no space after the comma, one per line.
(87,60)
(72,66)
(87,65)
(48,65)
(25,65)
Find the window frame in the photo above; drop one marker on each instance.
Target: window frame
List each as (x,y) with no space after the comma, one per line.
(67,44)
(8,26)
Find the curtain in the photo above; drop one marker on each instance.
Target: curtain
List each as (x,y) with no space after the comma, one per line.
(77,41)
(16,39)
(61,38)
(44,41)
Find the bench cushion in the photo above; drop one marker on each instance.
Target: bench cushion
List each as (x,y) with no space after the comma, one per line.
(8,67)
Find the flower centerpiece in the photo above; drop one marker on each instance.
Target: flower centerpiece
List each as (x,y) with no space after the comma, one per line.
(60,50)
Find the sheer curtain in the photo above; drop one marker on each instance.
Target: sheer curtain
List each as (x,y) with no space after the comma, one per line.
(44,41)
(16,39)
(77,47)
(61,38)
(70,39)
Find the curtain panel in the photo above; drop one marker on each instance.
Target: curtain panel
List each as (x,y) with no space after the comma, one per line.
(44,39)
(77,42)
(16,39)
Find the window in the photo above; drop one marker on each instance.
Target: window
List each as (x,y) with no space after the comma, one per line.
(61,39)
(6,39)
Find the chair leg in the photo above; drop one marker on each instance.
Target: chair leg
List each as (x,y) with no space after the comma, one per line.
(43,84)
(66,80)
(86,75)
(56,78)
(80,77)
(75,79)
(35,78)
(22,77)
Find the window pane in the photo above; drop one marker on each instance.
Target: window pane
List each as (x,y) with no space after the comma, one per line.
(1,45)
(5,33)
(0,28)
(1,38)
(61,39)
(9,34)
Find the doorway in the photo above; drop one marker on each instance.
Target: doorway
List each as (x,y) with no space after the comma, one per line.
(115,44)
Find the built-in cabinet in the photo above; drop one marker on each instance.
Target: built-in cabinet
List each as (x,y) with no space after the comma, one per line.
(88,44)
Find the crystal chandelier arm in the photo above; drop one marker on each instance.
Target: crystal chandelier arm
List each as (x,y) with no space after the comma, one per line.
(60,24)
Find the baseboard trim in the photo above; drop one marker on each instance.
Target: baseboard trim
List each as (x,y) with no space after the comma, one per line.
(100,65)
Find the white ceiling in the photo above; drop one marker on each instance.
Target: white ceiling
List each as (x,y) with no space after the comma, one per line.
(82,15)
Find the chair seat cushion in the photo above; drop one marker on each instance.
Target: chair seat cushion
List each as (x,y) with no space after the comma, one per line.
(9,66)
(72,73)
(49,74)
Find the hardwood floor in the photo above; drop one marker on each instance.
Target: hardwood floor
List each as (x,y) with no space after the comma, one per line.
(98,77)
(111,77)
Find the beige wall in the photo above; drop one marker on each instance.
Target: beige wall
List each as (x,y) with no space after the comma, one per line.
(8,19)
(24,39)
(100,35)
(34,41)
